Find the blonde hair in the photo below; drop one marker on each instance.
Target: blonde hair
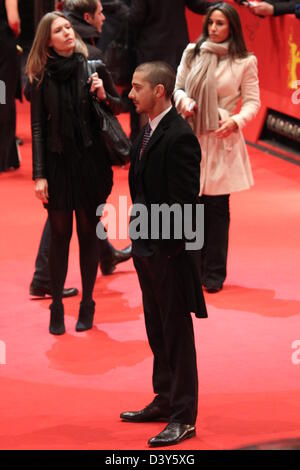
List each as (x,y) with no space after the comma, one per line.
(39,53)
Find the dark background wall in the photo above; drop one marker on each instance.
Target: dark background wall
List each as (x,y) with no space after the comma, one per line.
(30,12)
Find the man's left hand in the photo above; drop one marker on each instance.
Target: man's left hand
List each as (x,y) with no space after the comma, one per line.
(262,9)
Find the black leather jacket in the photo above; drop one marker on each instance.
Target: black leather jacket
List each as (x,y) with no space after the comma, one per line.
(45,111)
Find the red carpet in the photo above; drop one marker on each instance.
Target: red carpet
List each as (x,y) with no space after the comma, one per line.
(67,392)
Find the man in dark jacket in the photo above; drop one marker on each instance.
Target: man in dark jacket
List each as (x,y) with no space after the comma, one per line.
(116,12)
(161,29)
(87,20)
(160,32)
(165,171)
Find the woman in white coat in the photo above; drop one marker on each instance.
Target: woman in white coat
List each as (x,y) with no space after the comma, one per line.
(214,76)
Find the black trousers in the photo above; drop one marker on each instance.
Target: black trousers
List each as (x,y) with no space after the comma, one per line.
(216,232)
(171,337)
(41,275)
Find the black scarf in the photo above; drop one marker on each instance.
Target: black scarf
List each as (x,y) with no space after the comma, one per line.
(62,68)
(63,72)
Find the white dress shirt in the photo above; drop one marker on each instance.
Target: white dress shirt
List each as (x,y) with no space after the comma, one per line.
(154,123)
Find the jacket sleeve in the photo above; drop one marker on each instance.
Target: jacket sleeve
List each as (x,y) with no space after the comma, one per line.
(138,13)
(115,7)
(199,6)
(283,7)
(114,100)
(182,72)
(183,169)
(249,93)
(38,130)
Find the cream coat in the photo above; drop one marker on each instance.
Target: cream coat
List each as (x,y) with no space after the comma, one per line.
(225,165)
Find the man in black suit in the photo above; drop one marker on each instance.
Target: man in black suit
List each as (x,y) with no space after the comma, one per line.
(159,32)
(165,169)
(161,29)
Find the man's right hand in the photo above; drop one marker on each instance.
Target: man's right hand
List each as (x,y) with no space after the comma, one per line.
(261,8)
(188,108)
(13,17)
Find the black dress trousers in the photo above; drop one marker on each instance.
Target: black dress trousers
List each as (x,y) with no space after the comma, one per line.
(216,231)
(171,336)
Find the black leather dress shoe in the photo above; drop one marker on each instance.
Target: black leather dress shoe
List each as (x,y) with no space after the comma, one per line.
(151,412)
(108,265)
(173,434)
(42,291)
(213,288)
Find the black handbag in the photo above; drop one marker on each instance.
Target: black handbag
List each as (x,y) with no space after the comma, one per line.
(117,143)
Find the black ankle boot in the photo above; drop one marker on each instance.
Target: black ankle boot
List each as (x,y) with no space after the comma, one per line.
(86,316)
(57,324)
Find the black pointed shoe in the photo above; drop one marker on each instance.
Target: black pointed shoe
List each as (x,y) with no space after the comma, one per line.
(57,323)
(86,316)
(214,288)
(108,265)
(173,434)
(41,291)
(152,412)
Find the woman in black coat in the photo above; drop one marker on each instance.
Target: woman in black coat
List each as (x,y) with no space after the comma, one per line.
(71,168)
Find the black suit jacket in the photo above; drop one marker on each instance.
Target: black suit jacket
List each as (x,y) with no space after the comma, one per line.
(283,7)
(170,173)
(175,159)
(161,29)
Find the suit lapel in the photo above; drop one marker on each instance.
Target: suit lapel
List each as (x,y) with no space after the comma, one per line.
(156,136)
(135,151)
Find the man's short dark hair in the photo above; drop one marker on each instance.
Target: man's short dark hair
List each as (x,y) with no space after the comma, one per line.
(159,73)
(81,6)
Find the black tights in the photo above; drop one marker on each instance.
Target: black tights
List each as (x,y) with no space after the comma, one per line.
(61,223)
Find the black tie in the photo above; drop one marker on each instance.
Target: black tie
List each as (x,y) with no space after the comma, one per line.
(146,138)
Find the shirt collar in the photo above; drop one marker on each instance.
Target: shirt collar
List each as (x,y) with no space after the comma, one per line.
(154,123)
